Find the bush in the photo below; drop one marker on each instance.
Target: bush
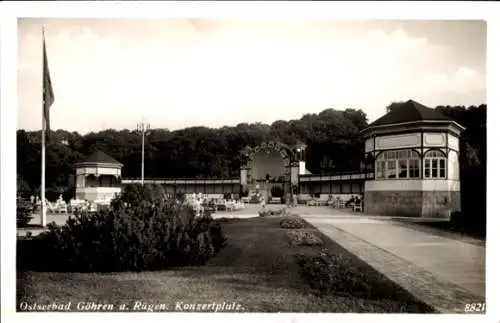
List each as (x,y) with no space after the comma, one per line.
(180,196)
(333,274)
(24,212)
(52,194)
(255,199)
(69,193)
(302,237)
(152,234)
(23,188)
(272,212)
(244,191)
(263,213)
(218,238)
(292,223)
(136,194)
(276,191)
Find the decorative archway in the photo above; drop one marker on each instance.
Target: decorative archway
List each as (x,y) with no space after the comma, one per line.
(252,182)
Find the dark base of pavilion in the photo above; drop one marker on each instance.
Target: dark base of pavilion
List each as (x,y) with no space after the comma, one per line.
(426,204)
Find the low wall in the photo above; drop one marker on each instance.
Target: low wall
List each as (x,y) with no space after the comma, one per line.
(428,204)
(96,193)
(326,197)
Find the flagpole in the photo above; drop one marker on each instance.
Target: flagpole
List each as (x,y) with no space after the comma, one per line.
(143,128)
(43,214)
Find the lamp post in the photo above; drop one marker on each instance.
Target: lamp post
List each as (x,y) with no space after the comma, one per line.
(144,128)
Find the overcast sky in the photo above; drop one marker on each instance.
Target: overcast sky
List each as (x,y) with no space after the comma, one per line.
(108,73)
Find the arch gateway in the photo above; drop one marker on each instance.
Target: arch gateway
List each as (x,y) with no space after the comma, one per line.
(271,165)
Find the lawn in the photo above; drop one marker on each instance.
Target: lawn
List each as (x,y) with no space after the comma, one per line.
(257,270)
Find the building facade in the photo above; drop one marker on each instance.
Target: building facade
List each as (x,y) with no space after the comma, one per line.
(414,153)
(98,178)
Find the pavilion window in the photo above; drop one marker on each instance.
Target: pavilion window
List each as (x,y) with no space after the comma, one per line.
(398,164)
(391,169)
(380,166)
(414,168)
(403,168)
(435,164)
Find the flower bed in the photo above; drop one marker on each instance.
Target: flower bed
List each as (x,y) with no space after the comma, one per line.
(303,238)
(331,273)
(292,223)
(281,212)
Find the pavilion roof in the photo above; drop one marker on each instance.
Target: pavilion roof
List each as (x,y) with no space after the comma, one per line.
(99,157)
(408,112)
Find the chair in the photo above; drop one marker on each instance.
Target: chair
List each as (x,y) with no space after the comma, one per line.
(357,207)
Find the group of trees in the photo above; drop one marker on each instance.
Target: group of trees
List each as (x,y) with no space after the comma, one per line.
(472,166)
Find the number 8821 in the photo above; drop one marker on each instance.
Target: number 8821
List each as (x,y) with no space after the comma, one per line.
(475,308)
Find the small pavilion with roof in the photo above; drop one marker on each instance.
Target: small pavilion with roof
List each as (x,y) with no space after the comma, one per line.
(98,177)
(413,151)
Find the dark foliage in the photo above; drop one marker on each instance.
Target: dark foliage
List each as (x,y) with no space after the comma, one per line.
(255,199)
(277,191)
(244,191)
(153,234)
(24,212)
(472,219)
(23,188)
(332,273)
(292,222)
(303,238)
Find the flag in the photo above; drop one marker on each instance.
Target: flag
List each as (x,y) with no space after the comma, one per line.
(48,92)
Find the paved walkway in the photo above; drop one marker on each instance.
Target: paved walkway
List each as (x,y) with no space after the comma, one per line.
(444,272)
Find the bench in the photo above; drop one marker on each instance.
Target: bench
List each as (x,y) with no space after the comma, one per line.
(312,203)
(221,207)
(275,200)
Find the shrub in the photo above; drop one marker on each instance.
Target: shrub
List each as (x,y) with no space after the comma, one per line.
(136,194)
(24,212)
(23,188)
(272,212)
(292,223)
(218,238)
(52,194)
(277,191)
(302,237)
(263,213)
(333,274)
(255,199)
(180,196)
(145,236)
(244,191)
(225,220)
(69,193)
